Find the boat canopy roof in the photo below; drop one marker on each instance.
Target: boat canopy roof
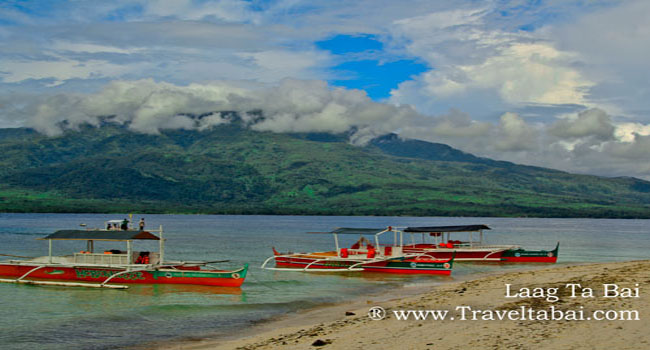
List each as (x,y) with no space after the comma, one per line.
(357,231)
(464,228)
(101,235)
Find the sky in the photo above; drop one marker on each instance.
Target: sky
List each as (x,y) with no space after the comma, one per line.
(559,84)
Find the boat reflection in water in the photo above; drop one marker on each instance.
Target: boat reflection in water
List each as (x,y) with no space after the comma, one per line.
(161,289)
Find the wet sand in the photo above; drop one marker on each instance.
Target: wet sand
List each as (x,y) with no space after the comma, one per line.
(348,326)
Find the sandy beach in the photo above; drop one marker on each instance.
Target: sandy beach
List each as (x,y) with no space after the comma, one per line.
(513,310)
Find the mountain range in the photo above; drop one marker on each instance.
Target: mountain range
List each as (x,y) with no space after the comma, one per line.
(231,169)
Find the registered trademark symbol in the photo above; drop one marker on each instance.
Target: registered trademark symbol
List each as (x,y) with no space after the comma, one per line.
(377,313)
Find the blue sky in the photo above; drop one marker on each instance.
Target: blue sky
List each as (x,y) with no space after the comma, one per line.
(554,83)
(364,67)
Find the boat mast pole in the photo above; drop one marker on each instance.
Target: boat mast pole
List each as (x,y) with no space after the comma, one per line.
(336,242)
(129,253)
(49,251)
(161,252)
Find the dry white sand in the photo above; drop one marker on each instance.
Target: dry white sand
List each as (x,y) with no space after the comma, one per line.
(333,329)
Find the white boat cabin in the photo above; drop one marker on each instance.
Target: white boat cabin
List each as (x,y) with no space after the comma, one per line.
(113,257)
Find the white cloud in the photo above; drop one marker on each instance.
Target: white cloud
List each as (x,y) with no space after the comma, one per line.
(627,132)
(225,10)
(59,70)
(612,43)
(614,34)
(638,150)
(587,142)
(148,107)
(454,125)
(275,65)
(514,134)
(590,123)
(440,20)
(475,62)
(521,73)
(178,51)
(90,48)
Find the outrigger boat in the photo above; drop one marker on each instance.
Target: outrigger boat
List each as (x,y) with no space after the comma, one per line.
(115,266)
(362,256)
(437,243)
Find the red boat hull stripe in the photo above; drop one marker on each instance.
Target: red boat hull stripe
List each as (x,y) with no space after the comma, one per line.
(98,275)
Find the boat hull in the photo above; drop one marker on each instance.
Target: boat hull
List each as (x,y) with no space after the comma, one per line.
(477,255)
(537,256)
(397,266)
(96,274)
(412,267)
(460,254)
(310,263)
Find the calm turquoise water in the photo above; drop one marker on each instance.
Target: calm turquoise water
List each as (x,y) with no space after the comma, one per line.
(36,317)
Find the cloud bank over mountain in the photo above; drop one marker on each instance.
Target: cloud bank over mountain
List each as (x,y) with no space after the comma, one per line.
(577,142)
(147,106)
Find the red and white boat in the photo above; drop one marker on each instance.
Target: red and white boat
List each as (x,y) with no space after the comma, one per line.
(104,269)
(436,242)
(362,256)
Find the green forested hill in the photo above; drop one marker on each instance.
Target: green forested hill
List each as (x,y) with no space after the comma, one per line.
(230,169)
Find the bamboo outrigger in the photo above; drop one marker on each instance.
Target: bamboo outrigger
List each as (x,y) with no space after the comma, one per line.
(102,270)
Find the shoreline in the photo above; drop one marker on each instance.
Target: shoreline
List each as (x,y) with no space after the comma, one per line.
(329,324)
(327,214)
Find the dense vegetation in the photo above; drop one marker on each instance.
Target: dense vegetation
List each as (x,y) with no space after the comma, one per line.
(230,169)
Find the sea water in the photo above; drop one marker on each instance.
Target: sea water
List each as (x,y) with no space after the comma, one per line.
(46,317)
